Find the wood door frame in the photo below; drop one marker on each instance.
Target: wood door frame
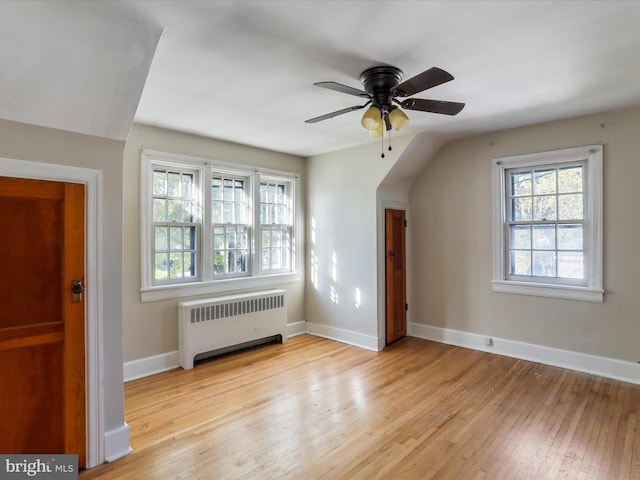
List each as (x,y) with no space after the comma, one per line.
(92,180)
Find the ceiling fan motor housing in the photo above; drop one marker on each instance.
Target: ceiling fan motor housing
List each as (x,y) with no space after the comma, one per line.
(378,82)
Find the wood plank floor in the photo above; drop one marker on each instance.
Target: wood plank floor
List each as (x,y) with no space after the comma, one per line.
(318,409)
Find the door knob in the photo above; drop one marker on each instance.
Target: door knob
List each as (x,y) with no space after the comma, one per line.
(76,289)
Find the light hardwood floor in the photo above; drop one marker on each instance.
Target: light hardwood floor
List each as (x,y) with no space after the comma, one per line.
(318,409)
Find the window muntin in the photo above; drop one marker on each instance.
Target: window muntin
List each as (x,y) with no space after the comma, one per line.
(547,224)
(545,213)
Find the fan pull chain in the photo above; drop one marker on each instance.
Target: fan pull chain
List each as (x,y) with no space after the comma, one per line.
(382,146)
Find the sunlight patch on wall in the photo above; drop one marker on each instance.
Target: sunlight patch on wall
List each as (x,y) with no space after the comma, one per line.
(335,298)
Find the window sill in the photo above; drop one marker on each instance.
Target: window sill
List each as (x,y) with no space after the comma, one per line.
(546,290)
(168,292)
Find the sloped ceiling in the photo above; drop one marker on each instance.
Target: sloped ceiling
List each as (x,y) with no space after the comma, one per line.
(243,71)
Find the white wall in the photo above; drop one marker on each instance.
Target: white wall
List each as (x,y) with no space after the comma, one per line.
(342,235)
(450,218)
(151,328)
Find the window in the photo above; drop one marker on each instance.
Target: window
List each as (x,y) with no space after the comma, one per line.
(275,225)
(548,224)
(207,228)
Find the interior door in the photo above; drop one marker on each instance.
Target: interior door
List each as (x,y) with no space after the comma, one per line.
(42,346)
(395,275)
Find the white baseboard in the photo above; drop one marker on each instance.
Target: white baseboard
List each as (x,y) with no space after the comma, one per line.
(144,367)
(296,328)
(116,443)
(582,362)
(345,336)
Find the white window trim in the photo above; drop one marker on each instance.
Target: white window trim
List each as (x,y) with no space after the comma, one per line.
(593,291)
(150,292)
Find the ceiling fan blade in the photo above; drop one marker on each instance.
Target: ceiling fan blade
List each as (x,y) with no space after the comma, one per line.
(338,87)
(335,114)
(428,79)
(433,106)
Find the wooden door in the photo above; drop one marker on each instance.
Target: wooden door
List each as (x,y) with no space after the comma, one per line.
(42,346)
(395,275)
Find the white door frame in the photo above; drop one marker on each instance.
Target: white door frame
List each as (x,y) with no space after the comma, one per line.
(92,180)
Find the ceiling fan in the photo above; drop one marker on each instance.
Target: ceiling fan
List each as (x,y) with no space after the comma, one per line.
(382,89)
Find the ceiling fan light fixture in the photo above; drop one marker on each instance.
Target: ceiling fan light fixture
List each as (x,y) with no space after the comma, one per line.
(379,131)
(398,119)
(372,118)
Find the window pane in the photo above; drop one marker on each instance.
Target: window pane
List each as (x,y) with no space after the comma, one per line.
(570,207)
(571,265)
(570,179)
(175,265)
(174,210)
(570,237)
(174,185)
(239,192)
(263,193)
(239,213)
(265,258)
(216,189)
(216,212)
(227,213)
(161,270)
(280,198)
(231,238)
(275,238)
(521,184)
(282,214)
(189,238)
(520,236)
(544,237)
(544,264)
(275,258)
(218,262)
(187,185)
(159,210)
(189,265)
(159,182)
(228,190)
(218,238)
(520,263)
(161,238)
(544,182)
(187,211)
(175,235)
(263,213)
(544,208)
(521,209)
(241,261)
(242,238)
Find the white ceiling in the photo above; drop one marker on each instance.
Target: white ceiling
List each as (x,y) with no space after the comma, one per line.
(243,71)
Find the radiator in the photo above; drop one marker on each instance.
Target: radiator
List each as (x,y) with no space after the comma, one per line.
(222,322)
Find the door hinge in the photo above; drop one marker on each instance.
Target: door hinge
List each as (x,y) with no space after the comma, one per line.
(405,223)
(406,307)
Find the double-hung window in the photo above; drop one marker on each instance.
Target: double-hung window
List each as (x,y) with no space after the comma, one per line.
(548,224)
(219,227)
